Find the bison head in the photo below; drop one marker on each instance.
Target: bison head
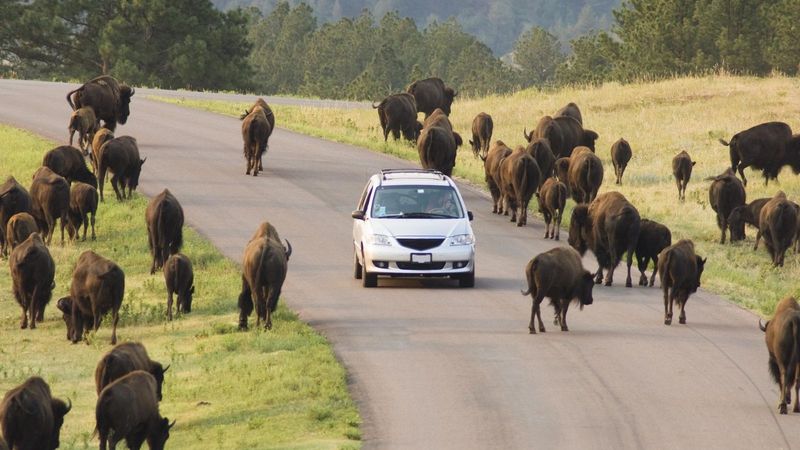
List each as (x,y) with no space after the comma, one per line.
(157,370)
(588,139)
(578,222)
(736,221)
(64,305)
(585,289)
(449,95)
(133,181)
(457,138)
(157,438)
(125,94)
(701,264)
(60,409)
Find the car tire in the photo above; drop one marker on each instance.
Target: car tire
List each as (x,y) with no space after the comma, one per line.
(356,267)
(368,280)
(467,280)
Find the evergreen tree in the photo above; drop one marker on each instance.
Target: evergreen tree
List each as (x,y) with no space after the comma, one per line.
(537,53)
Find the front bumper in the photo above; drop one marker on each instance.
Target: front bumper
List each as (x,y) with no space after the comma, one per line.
(396,260)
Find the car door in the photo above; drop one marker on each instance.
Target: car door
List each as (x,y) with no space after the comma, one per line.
(358,225)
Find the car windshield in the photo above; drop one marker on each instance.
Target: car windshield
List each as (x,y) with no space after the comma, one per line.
(416,202)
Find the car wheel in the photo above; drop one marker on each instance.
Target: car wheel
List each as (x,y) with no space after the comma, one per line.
(356,267)
(467,280)
(368,280)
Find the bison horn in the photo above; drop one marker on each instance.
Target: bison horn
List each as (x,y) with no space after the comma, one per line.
(288,249)
(526,134)
(172,424)
(763,326)
(69,405)
(166,368)
(133,91)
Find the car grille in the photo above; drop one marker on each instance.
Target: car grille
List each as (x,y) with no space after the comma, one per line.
(420,244)
(420,266)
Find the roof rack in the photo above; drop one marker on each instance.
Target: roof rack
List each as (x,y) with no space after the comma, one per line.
(385,172)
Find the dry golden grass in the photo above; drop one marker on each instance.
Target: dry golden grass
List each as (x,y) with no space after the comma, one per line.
(659,120)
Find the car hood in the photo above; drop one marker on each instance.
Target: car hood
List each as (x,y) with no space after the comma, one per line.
(401,228)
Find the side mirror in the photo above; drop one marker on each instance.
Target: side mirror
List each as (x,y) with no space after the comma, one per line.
(357,214)
(470,216)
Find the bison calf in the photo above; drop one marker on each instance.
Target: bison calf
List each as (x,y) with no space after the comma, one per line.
(585,175)
(482,127)
(540,150)
(745,214)
(20,226)
(164,218)
(102,136)
(31,417)
(519,180)
(98,286)
(83,200)
(14,198)
(84,122)
(552,198)
(777,224)
(783,345)
(120,156)
(69,162)
(50,195)
(398,113)
(179,278)
(559,275)
(680,270)
(128,409)
(682,165)
(32,275)
(621,153)
(725,194)
(491,166)
(653,238)
(124,359)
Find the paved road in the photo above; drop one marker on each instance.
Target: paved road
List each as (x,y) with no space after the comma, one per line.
(435,366)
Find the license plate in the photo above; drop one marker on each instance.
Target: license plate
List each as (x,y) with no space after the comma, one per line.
(421,258)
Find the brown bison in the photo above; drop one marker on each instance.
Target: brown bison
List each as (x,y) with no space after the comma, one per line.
(82,204)
(783,344)
(725,194)
(84,122)
(540,150)
(561,169)
(552,198)
(69,162)
(179,277)
(255,134)
(98,286)
(745,214)
(777,224)
(32,274)
(653,238)
(109,99)
(164,218)
(621,154)
(120,156)
(50,195)
(519,180)
(102,136)
(559,275)
(267,110)
(437,143)
(31,417)
(609,227)
(398,113)
(768,147)
(570,110)
(14,198)
(682,165)
(563,134)
(680,270)
(128,409)
(431,94)
(263,272)
(491,165)
(482,126)
(266,230)
(585,175)
(19,228)
(124,359)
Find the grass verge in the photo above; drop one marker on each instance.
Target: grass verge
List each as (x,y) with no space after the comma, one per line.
(226,389)
(659,120)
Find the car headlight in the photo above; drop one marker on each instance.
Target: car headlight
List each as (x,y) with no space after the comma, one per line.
(462,239)
(379,239)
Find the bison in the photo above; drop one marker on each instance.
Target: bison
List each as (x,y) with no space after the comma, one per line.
(745,214)
(559,275)
(82,204)
(98,286)
(563,134)
(561,169)
(179,278)
(124,359)
(120,156)
(482,127)
(31,417)
(69,162)
(777,224)
(102,136)
(519,180)
(255,134)
(725,194)
(621,154)
(263,272)
(267,110)
(431,94)
(768,147)
(50,195)
(437,143)
(682,165)
(491,166)
(653,238)
(552,198)
(164,218)
(783,344)
(585,175)
(19,228)
(398,113)
(84,122)
(540,150)
(570,110)
(14,198)
(680,270)
(266,230)
(32,274)
(609,226)
(109,99)
(128,409)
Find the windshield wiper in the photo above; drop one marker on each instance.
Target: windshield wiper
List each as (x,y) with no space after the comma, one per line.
(425,215)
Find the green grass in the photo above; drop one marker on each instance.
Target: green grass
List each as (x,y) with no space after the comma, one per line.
(226,389)
(659,120)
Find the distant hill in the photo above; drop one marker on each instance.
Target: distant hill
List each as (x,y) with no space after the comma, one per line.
(497,23)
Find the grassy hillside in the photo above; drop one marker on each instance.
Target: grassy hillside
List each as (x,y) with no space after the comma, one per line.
(225,389)
(659,120)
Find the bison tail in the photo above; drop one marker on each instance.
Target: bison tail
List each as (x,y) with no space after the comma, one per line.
(724,142)
(529,271)
(69,98)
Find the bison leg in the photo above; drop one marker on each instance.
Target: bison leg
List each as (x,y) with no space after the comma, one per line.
(758,238)
(261,305)
(33,307)
(563,318)
(668,303)
(653,276)
(245,304)
(741,173)
(114,326)
(94,237)
(557,224)
(598,276)
(682,304)
(169,303)
(642,264)
(796,408)
(547,221)
(114,183)
(23,322)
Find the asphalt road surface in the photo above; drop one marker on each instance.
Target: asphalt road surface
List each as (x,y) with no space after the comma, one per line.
(434,366)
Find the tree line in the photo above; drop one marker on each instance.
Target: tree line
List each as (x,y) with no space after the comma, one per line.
(190,44)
